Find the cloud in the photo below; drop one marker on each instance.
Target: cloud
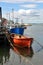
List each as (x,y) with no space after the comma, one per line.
(28,12)
(20,1)
(29,5)
(22,11)
(13,1)
(39,1)
(28,16)
(31,16)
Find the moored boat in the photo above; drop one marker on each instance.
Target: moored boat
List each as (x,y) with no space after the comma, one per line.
(17,30)
(21,41)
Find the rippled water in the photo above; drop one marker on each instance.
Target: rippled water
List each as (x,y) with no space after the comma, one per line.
(26,56)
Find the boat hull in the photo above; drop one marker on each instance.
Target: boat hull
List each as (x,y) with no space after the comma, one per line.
(22,42)
(17,30)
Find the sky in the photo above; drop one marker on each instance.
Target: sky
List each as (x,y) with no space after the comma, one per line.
(30,11)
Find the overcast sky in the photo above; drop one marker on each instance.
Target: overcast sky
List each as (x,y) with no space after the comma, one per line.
(31,11)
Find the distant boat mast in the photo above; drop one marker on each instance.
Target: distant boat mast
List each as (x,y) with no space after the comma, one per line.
(12,14)
(16,20)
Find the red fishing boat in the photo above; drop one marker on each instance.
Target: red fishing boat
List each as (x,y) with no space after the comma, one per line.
(21,41)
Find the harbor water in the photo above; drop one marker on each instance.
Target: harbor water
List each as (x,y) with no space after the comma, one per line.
(25,56)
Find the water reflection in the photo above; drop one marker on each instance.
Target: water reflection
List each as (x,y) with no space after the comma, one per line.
(23,55)
(4,52)
(24,51)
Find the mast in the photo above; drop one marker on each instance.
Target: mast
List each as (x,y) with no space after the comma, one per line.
(8,16)
(12,14)
(16,20)
(21,22)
